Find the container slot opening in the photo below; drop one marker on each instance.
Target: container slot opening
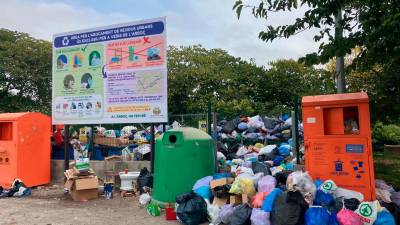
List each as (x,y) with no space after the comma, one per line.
(351,120)
(6,131)
(172,139)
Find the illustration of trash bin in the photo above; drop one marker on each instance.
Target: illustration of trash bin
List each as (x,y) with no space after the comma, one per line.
(337,139)
(25,148)
(182,156)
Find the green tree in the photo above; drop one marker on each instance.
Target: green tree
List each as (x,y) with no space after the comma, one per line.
(291,80)
(25,73)
(197,75)
(373,24)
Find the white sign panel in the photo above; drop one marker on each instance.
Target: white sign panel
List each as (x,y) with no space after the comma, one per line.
(113,74)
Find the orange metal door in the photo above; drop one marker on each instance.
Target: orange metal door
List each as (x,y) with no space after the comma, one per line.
(346,161)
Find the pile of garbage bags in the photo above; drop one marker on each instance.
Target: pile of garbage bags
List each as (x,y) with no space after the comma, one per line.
(256,192)
(256,129)
(18,189)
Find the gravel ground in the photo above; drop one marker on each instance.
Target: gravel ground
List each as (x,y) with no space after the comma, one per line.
(49,205)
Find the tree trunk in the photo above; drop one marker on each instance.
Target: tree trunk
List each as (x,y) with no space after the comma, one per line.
(339,74)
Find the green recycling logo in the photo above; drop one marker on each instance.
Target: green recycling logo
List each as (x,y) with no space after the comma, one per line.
(327,186)
(365,210)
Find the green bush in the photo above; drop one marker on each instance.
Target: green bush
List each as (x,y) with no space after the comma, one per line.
(386,134)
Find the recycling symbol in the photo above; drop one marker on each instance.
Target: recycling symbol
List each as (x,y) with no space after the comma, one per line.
(65,41)
(327,186)
(365,210)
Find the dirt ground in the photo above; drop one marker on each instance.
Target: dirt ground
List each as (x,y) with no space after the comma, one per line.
(49,205)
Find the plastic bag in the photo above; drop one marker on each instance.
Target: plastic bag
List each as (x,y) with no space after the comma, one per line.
(259,167)
(213,213)
(244,172)
(266,184)
(284,149)
(323,199)
(368,212)
(204,192)
(255,122)
(205,181)
(145,179)
(351,203)
(383,195)
(153,209)
(241,215)
(384,218)
(225,213)
(222,191)
(347,194)
(267,149)
(381,184)
(144,199)
(393,209)
(258,199)
(243,186)
(302,182)
(317,216)
(192,209)
(289,209)
(242,151)
(259,217)
(395,197)
(220,156)
(328,187)
(348,217)
(278,160)
(269,201)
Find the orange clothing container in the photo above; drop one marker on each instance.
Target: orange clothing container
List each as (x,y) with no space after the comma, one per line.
(24,148)
(337,139)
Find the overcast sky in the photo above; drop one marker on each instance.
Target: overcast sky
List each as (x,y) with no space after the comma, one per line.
(211,23)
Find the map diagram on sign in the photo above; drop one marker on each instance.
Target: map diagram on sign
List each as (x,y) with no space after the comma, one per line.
(149,82)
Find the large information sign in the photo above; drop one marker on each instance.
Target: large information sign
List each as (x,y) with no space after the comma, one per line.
(113,74)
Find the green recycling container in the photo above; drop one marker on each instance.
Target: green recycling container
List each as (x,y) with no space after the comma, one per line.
(182,156)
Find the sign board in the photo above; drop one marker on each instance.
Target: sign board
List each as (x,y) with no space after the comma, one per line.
(203,125)
(112,74)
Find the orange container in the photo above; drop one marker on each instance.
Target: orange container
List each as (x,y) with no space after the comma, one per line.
(24,148)
(337,139)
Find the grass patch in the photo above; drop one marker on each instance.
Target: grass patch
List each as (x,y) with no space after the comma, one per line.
(387,167)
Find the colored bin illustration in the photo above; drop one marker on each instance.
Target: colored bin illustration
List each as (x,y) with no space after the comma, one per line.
(25,148)
(337,140)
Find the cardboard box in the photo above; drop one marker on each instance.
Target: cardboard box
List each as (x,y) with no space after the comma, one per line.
(83,189)
(238,199)
(220,182)
(220,201)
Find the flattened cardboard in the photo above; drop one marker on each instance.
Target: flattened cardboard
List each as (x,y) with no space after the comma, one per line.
(220,182)
(86,183)
(220,201)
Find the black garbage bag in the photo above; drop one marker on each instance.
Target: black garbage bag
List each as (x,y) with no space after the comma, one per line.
(393,209)
(230,125)
(270,123)
(192,209)
(289,209)
(351,204)
(222,191)
(241,215)
(281,178)
(222,148)
(259,167)
(145,179)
